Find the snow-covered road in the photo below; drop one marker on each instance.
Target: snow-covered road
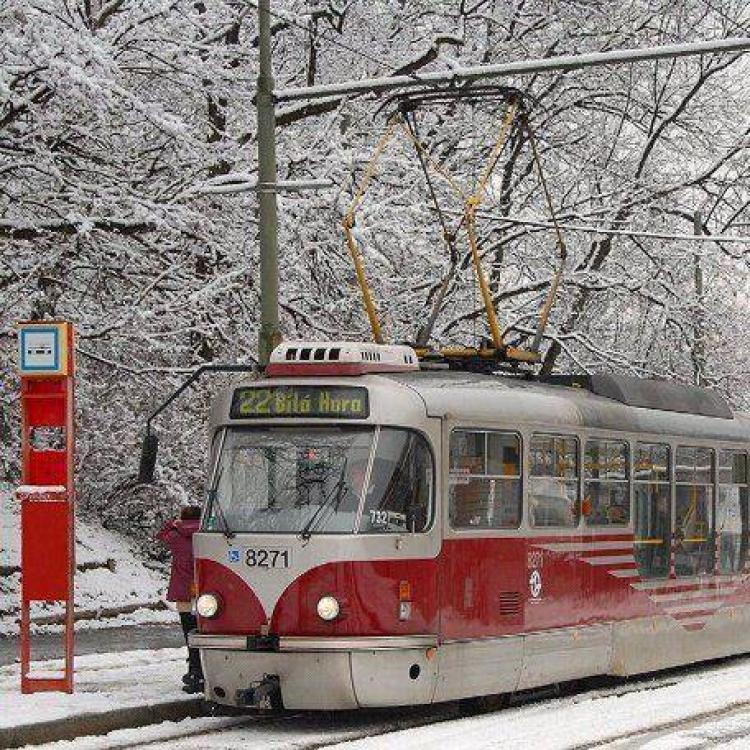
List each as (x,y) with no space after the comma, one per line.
(700,708)
(102,682)
(151,636)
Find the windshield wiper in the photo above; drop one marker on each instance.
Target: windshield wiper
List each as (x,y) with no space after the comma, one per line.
(332,498)
(213,498)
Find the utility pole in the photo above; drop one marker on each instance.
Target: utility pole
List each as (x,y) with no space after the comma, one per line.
(270,334)
(699,340)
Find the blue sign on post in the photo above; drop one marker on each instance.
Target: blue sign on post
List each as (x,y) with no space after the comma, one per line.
(42,349)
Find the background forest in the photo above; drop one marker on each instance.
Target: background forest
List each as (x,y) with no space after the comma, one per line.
(127,147)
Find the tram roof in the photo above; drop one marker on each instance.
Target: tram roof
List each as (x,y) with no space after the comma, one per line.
(473,396)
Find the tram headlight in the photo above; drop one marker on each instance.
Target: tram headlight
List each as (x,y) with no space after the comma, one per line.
(328,608)
(208,605)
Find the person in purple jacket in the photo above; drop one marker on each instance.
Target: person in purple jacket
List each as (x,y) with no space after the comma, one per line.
(178,536)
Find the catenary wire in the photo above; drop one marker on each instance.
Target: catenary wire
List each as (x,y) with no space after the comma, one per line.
(325,35)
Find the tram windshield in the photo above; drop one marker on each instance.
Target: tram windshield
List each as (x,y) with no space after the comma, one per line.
(332,480)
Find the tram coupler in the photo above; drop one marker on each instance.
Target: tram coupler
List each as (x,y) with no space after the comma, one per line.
(265,694)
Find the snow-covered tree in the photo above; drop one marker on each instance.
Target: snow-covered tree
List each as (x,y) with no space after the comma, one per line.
(127,150)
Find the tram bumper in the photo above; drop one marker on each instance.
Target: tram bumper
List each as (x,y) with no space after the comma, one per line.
(318,673)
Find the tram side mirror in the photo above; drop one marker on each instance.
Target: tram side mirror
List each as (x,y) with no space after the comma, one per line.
(147,467)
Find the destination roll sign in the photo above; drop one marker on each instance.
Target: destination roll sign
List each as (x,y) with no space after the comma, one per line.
(320,402)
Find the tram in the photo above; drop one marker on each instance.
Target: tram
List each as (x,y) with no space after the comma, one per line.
(380,534)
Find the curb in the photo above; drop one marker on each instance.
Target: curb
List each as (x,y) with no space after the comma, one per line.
(83,725)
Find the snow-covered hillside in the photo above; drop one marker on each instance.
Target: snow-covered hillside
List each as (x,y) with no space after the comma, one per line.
(112,586)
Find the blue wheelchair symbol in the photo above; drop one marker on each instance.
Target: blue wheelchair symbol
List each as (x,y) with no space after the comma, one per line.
(234,555)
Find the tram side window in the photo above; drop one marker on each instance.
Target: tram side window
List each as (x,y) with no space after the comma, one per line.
(694,489)
(606,492)
(652,491)
(485,480)
(732,511)
(553,480)
(399,495)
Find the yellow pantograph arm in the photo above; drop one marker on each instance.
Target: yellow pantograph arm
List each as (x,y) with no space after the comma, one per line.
(502,137)
(370,309)
(489,306)
(470,209)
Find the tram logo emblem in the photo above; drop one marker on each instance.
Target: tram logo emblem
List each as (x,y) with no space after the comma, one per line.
(535,584)
(233,555)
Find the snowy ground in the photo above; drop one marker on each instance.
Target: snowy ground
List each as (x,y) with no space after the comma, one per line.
(129,583)
(603,718)
(702,708)
(102,682)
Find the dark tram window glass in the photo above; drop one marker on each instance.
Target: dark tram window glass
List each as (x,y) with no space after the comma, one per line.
(485,480)
(553,481)
(606,491)
(652,491)
(398,496)
(694,476)
(732,511)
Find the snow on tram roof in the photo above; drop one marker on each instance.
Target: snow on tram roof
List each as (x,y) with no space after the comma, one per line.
(489,398)
(607,402)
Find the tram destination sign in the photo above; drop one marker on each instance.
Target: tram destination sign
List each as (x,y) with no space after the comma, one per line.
(301,401)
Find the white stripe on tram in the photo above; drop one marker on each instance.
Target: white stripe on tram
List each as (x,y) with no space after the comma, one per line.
(693,607)
(677,596)
(626,573)
(610,559)
(676,583)
(685,621)
(587,546)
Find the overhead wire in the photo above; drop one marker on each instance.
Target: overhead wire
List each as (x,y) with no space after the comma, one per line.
(449,236)
(593,229)
(337,43)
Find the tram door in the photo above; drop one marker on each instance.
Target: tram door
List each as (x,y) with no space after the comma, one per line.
(482,581)
(652,496)
(553,579)
(694,549)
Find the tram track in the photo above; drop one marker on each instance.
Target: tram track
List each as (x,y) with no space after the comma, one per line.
(353,725)
(312,731)
(635,740)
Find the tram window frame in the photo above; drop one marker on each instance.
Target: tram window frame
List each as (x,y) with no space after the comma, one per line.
(685,478)
(431,503)
(532,476)
(742,488)
(467,477)
(645,548)
(589,480)
(209,521)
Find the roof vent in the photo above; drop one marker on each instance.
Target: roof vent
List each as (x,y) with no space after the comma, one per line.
(315,358)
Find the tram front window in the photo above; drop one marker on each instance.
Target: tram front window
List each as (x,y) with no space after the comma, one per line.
(311,480)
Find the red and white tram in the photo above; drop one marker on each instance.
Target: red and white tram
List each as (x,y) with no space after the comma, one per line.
(381,535)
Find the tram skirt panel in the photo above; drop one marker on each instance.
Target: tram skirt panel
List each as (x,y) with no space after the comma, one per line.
(308,681)
(473,668)
(653,643)
(397,677)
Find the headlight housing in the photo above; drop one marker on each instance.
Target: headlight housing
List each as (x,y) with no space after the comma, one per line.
(208,605)
(328,608)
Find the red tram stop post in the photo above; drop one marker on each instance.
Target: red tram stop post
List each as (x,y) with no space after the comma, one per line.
(46,364)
